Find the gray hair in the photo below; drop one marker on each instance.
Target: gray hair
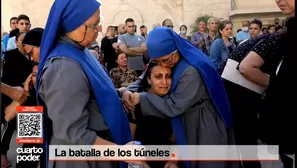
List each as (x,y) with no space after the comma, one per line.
(211,19)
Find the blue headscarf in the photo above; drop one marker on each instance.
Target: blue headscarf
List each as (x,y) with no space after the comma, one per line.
(163,41)
(66,16)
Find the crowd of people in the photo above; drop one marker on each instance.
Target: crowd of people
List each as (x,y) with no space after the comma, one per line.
(159,88)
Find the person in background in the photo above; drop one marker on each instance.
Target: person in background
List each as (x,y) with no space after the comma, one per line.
(244,33)
(207,39)
(12,34)
(84,107)
(256,59)
(16,68)
(279,106)
(201,31)
(183,32)
(222,47)
(122,75)
(121,30)
(107,49)
(10,126)
(13,22)
(254,29)
(167,23)
(32,38)
(276,24)
(134,46)
(24,26)
(264,30)
(143,31)
(271,29)
(3,35)
(32,44)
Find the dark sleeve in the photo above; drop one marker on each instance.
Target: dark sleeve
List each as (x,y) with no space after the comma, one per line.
(189,91)
(65,90)
(265,47)
(7,67)
(114,40)
(7,130)
(103,44)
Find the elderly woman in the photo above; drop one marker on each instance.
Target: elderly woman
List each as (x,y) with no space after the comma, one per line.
(80,98)
(197,102)
(122,76)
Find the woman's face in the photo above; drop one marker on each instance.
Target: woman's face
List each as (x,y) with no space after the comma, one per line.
(168,60)
(213,25)
(287,6)
(33,52)
(254,30)
(160,80)
(183,29)
(34,75)
(122,60)
(265,31)
(272,29)
(169,24)
(227,31)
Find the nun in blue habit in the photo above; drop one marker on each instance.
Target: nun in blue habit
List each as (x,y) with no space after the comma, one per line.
(197,102)
(79,97)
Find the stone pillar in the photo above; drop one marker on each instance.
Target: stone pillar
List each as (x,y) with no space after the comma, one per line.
(179,12)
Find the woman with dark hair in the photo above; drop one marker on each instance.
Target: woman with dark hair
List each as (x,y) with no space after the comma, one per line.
(10,125)
(168,23)
(122,75)
(222,47)
(157,80)
(271,28)
(183,32)
(264,30)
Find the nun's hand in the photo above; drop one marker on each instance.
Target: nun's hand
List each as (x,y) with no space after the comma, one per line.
(136,98)
(127,99)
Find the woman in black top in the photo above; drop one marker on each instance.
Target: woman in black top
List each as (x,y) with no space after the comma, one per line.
(10,118)
(150,130)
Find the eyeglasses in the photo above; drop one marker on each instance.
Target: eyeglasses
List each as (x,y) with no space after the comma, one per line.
(169,60)
(93,27)
(30,52)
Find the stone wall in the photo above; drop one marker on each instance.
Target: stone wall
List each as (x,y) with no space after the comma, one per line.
(147,12)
